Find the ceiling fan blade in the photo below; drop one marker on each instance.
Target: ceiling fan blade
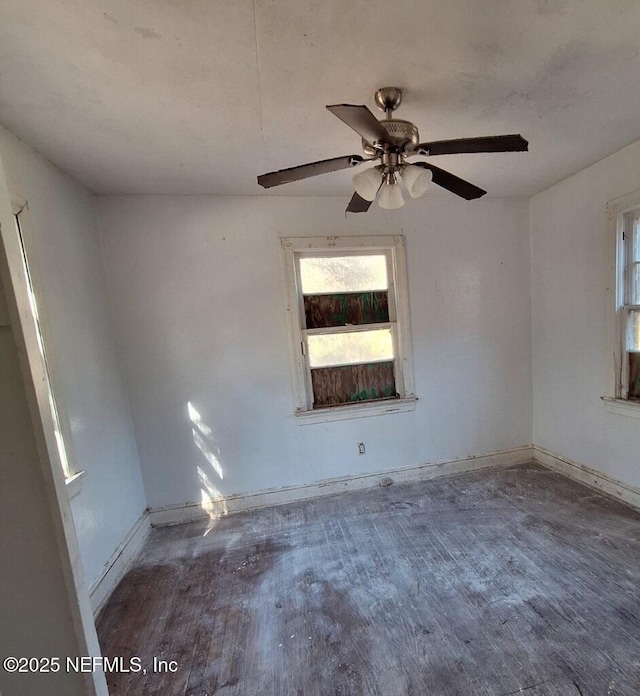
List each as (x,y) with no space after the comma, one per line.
(491,143)
(358,204)
(304,171)
(361,120)
(452,182)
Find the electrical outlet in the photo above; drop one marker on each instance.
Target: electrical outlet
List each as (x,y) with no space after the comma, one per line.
(361,449)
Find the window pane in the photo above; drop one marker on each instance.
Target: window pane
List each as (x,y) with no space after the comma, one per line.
(635,284)
(351,347)
(633,331)
(348,384)
(328,274)
(635,242)
(341,309)
(634,376)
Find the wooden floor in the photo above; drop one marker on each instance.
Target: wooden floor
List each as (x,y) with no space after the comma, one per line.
(498,582)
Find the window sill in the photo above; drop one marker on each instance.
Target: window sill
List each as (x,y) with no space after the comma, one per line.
(74,484)
(622,407)
(336,413)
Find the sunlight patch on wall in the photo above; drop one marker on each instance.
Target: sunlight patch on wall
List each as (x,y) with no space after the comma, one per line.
(211,499)
(201,444)
(204,439)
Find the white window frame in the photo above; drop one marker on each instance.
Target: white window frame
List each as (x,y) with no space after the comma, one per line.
(32,288)
(619,236)
(393,246)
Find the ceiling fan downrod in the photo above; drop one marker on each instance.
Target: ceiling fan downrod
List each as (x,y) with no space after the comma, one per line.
(388,99)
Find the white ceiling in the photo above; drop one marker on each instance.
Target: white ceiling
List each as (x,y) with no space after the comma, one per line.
(200,96)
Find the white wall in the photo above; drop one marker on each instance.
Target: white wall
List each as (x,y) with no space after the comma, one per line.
(68,269)
(197,291)
(570,251)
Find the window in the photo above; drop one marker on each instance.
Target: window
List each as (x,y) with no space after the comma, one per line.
(23,229)
(629,308)
(348,324)
(623,392)
(630,291)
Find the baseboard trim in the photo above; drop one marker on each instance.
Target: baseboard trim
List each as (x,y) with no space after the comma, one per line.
(589,477)
(119,562)
(178,514)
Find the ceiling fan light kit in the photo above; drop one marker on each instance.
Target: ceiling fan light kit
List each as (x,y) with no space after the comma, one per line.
(390,196)
(391,141)
(367,183)
(416,179)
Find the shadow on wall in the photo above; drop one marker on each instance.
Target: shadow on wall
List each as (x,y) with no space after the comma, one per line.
(212,499)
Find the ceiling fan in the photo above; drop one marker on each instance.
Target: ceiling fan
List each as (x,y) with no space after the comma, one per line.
(391,141)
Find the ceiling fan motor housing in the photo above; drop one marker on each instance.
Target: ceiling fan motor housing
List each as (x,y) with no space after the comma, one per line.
(401,134)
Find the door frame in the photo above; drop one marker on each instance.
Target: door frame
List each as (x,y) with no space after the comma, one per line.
(36,383)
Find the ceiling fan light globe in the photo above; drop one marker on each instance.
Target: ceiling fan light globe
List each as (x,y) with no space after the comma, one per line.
(416,179)
(390,197)
(367,183)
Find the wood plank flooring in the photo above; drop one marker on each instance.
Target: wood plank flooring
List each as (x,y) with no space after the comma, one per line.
(492,583)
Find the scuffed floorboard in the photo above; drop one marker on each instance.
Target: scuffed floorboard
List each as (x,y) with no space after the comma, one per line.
(498,582)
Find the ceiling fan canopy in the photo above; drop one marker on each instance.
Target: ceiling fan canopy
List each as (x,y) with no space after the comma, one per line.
(391,141)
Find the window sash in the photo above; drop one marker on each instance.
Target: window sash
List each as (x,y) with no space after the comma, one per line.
(630,228)
(391,326)
(391,280)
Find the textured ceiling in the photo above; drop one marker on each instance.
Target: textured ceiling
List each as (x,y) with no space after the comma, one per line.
(200,96)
